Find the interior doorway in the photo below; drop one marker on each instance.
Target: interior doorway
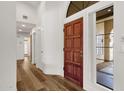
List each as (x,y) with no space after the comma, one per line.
(73,51)
(28,47)
(104,47)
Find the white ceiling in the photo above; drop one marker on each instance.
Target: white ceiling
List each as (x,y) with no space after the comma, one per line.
(27,29)
(28,8)
(54,3)
(33,4)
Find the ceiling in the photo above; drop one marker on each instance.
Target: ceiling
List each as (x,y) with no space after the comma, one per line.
(25,28)
(76,6)
(33,4)
(107,12)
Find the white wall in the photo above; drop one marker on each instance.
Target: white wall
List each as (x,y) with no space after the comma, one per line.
(20,47)
(51,51)
(118,46)
(23,8)
(28,46)
(36,47)
(33,48)
(7,46)
(51,24)
(39,39)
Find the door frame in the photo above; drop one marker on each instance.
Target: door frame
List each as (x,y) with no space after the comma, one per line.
(31,48)
(92,17)
(89,67)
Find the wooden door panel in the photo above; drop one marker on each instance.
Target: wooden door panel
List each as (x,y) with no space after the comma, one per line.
(73,51)
(69,31)
(77,43)
(69,69)
(69,56)
(77,57)
(77,70)
(69,43)
(77,28)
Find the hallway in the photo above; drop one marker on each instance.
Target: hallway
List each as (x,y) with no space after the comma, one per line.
(89,53)
(30,78)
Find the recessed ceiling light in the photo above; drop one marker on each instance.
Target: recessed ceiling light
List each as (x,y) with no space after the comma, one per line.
(23,25)
(20,30)
(109,10)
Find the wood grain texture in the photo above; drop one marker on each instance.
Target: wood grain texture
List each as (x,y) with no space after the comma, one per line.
(73,51)
(30,78)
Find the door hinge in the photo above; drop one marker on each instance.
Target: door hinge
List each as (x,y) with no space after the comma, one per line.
(63,49)
(64,30)
(63,68)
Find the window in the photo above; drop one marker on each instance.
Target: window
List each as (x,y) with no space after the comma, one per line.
(76,6)
(104,47)
(99,43)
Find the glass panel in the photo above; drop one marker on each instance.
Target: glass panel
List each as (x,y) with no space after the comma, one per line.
(76,6)
(104,48)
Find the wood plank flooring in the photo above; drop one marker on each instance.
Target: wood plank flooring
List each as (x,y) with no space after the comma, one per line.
(30,78)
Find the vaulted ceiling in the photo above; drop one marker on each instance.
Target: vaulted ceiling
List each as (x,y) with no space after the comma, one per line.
(107,12)
(76,6)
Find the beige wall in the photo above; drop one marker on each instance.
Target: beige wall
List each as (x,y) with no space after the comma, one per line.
(108,26)
(105,27)
(100,30)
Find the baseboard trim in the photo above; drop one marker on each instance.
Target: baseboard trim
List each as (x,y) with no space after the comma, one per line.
(20,60)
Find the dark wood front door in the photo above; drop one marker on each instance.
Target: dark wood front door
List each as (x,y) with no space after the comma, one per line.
(73,51)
